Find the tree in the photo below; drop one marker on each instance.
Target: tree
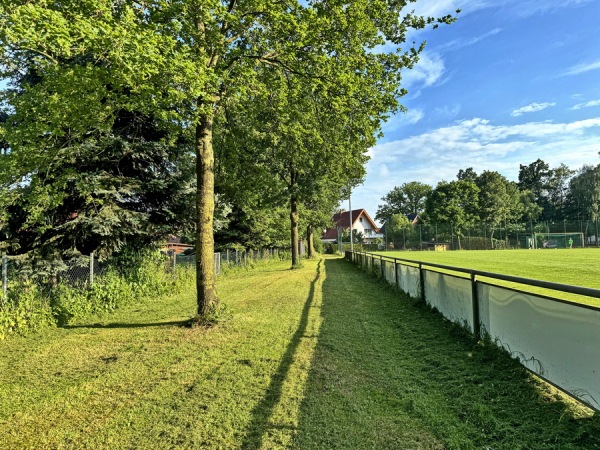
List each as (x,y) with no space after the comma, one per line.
(184,61)
(584,192)
(557,186)
(533,177)
(455,203)
(397,228)
(409,198)
(530,210)
(498,200)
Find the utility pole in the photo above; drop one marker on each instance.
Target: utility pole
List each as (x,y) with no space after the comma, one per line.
(351,225)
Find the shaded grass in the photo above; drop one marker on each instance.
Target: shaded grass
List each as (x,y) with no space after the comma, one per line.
(390,373)
(576,267)
(315,358)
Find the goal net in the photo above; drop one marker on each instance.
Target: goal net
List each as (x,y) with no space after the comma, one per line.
(558,240)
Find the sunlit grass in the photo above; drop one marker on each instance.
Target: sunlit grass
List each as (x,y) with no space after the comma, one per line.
(578,267)
(322,357)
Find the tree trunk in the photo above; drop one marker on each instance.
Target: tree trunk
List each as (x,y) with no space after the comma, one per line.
(310,241)
(294,231)
(205,207)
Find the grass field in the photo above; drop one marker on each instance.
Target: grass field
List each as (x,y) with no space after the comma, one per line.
(324,357)
(577,267)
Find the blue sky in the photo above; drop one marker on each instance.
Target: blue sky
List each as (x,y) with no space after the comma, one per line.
(510,82)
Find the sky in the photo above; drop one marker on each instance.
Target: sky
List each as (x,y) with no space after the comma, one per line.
(510,82)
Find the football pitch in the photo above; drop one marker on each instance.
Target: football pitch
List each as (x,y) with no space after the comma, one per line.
(578,267)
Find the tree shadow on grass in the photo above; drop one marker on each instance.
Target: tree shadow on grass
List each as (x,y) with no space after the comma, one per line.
(176,323)
(263,411)
(390,373)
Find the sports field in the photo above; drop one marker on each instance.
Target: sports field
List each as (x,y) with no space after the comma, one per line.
(579,267)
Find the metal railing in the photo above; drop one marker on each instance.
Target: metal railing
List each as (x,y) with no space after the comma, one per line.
(558,340)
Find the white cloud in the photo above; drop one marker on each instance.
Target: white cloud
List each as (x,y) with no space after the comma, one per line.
(438,8)
(523,8)
(535,7)
(427,72)
(587,104)
(457,44)
(399,120)
(533,107)
(582,68)
(439,154)
(448,112)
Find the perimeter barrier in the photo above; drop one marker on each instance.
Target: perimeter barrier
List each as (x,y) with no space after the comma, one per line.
(556,339)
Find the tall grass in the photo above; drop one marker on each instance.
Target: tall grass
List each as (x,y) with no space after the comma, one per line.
(30,306)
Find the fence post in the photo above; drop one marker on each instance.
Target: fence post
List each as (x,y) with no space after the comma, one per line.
(422,281)
(4,274)
(382,268)
(217,263)
(91,269)
(396,274)
(475,300)
(174,260)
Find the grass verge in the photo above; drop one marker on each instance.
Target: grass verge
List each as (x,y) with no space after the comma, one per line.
(321,357)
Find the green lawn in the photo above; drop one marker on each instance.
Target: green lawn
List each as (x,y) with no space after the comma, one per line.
(324,357)
(577,267)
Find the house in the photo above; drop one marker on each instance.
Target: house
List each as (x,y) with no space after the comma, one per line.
(174,246)
(361,223)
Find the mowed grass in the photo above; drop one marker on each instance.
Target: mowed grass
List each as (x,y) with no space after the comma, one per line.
(324,357)
(578,266)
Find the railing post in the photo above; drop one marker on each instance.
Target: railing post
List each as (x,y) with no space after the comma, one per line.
(475,300)
(422,281)
(396,274)
(4,274)
(91,269)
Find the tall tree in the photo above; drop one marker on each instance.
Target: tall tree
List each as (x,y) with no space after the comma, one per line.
(498,200)
(184,60)
(533,177)
(455,203)
(409,198)
(557,187)
(584,193)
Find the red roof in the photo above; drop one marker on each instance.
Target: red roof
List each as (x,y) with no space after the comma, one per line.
(343,220)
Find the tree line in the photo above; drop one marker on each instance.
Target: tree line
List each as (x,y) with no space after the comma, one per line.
(125,121)
(542,193)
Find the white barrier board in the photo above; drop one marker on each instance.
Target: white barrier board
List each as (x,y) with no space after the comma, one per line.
(409,281)
(390,272)
(558,341)
(451,296)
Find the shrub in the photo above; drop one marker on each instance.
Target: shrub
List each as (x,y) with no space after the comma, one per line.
(131,277)
(23,310)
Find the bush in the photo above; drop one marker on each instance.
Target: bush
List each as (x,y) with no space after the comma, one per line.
(132,277)
(23,310)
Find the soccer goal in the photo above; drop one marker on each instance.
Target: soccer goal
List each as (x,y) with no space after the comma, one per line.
(558,240)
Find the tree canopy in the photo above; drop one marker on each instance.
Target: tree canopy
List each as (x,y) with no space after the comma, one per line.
(77,66)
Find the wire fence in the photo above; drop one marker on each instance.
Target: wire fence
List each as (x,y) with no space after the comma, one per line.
(484,236)
(83,270)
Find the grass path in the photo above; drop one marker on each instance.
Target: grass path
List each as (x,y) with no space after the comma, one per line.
(318,358)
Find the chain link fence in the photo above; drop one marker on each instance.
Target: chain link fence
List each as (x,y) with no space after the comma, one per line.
(79,272)
(482,236)
(228,257)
